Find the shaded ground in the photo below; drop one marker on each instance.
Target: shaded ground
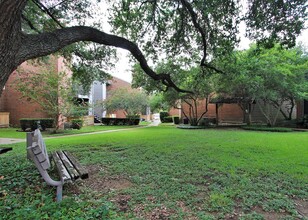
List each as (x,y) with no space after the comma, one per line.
(100,183)
(167,173)
(148,209)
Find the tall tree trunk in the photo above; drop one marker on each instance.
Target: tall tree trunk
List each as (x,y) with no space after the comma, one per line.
(10,37)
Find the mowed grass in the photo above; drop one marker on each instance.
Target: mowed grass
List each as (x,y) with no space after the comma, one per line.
(167,173)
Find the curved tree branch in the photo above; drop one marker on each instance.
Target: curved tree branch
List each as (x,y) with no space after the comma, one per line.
(213,68)
(44,9)
(46,43)
(201,30)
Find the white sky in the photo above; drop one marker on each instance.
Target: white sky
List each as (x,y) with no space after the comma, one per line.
(122,67)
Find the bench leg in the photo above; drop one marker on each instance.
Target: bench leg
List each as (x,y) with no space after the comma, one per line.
(59,193)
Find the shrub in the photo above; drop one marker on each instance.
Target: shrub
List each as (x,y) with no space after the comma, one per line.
(163,115)
(305,121)
(77,123)
(67,125)
(33,123)
(133,119)
(207,121)
(264,128)
(176,120)
(168,119)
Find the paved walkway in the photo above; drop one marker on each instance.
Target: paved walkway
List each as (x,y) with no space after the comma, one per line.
(11,140)
(91,133)
(15,140)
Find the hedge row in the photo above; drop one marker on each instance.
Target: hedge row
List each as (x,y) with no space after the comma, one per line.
(165,118)
(33,123)
(265,128)
(206,121)
(120,121)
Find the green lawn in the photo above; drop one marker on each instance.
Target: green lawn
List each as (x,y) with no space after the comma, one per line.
(167,173)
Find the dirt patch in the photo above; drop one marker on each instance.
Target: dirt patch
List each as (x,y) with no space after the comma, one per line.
(301,207)
(121,202)
(161,212)
(270,215)
(190,215)
(100,183)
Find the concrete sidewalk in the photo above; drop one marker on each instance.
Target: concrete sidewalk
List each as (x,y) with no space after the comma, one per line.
(91,133)
(15,140)
(11,141)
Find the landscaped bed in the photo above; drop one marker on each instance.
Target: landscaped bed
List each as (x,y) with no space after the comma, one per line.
(167,173)
(266,128)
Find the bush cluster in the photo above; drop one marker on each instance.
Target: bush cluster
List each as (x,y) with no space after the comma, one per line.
(265,128)
(207,121)
(164,117)
(33,123)
(167,119)
(76,123)
(304,122)
(176,120)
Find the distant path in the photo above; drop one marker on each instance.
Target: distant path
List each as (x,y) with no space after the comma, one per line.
(96,132)
(155,122)
(11,140)
(4,141)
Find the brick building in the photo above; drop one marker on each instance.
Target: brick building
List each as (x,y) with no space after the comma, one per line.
(101,91)
(230,112)
(18,108)
(10,100)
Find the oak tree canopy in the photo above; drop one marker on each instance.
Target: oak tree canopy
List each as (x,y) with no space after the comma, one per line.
(196,30)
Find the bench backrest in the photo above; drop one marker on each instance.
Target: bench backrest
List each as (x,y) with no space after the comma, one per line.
(36,149)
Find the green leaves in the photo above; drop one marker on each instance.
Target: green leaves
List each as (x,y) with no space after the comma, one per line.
(168,27)
(50,89)
(133,102)
(272,21)
(270,76)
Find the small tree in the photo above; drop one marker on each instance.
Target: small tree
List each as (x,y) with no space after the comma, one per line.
(195,79)
(132,102)
(270,77)
(51,90)
(158,103)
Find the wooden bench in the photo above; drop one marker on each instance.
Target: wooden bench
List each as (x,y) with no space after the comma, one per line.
(68,167)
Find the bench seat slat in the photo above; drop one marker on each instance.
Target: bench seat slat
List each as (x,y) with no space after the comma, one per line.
(36,149)
(82,171)
(64,175)
(68,165)
(41,157)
